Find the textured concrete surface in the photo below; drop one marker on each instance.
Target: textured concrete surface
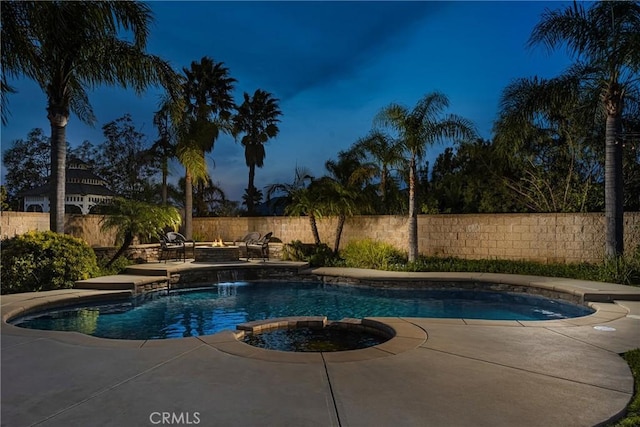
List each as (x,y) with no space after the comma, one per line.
(454,373)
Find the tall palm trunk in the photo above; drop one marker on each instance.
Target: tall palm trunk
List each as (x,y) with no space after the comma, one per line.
(341,220)
(250,190)
(188,205)
(165,174)
(613,188)
(383,189)
(413,217)
(314,229)
(58,122)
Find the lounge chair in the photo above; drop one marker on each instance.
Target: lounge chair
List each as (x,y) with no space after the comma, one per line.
(175,243)
(261,245)
(243,241)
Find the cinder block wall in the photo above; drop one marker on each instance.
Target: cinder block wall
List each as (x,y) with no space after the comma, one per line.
(17,223)
(86,227)
(541,237)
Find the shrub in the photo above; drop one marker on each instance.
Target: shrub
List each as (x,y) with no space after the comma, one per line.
(619,270)
(624,270)
(316,255)
(116,267)
(446,264)
(632,418)
(369,253)
(40,261)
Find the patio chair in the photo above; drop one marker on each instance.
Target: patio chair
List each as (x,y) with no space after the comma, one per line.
(261,246)
(242,242)
(175,243)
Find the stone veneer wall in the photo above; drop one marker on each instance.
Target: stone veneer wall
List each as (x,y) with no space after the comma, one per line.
(541,237)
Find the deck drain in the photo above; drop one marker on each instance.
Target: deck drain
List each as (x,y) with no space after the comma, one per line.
(604,328)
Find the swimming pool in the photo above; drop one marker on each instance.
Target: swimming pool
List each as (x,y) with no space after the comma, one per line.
(214,308)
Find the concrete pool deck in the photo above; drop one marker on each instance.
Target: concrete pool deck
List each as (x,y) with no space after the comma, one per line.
(440,372)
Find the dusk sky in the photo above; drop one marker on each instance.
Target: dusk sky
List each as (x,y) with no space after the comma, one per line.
(332,65)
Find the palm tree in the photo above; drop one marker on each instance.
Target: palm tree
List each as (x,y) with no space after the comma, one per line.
(69,47)
(345,189)
(301,197)
(132,219)
(207,196)
(386,153)
(257,118)
(252,197)
(164,148)
(417,129)
(605,40)
(207,110)
(549,125)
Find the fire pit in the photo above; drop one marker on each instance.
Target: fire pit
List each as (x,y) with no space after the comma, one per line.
(217,252)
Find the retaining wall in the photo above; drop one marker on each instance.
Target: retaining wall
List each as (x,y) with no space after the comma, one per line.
(541,237)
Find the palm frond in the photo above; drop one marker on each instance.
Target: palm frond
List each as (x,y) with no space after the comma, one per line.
(391,116)
(79,103)
(192,158)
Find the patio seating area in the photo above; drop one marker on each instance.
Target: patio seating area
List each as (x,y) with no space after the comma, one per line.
(254,245)
(173,246)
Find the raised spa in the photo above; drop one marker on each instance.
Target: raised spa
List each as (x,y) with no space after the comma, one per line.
(209,310)
(314,334)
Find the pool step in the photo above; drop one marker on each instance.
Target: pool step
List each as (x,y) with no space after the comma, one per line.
(136,270)
(122,281)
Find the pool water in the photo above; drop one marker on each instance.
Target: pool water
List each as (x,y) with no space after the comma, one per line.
(218,307)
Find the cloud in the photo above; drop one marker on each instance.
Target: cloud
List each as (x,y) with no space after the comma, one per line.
(287,47)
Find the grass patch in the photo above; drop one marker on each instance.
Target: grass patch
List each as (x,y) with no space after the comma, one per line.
(632,418)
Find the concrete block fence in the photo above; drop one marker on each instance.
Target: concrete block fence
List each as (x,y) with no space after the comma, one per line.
(540,237)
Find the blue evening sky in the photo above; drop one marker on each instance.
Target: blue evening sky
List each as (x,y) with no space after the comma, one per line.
(333,65)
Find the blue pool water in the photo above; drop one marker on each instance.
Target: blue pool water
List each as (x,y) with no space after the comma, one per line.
(209,310)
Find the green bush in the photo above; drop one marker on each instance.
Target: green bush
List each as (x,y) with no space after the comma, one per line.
(117,267)
(41,261)
(621,270)
(316,255)
(624,270)
(578,271)
(632,419)
(369,253)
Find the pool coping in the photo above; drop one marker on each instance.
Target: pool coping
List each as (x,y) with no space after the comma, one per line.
(587,291)
(408,335)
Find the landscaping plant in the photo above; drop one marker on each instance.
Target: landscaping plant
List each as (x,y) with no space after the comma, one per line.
(632,418)
(316,255)
(369,253)
(132,219)
(44,260)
